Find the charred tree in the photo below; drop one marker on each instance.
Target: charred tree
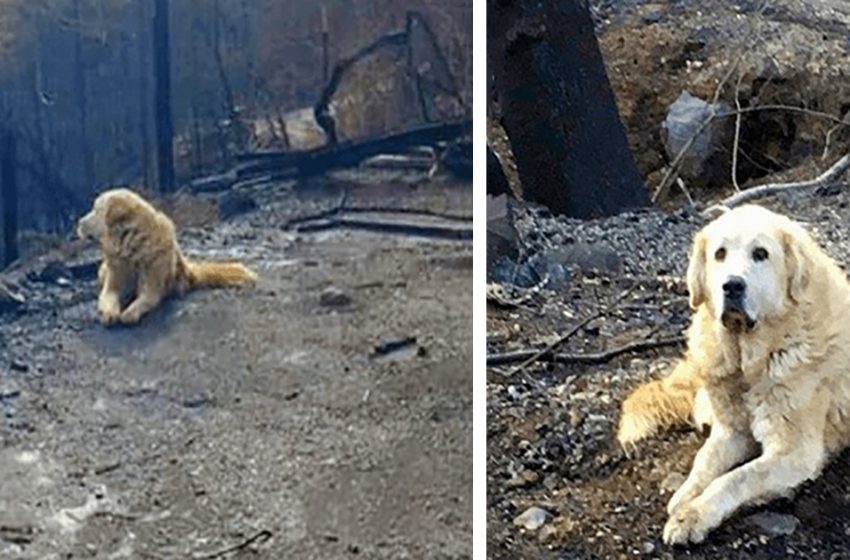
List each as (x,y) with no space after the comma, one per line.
(9,189)
(144,95)
(558,110)
(162,96)
(80,88)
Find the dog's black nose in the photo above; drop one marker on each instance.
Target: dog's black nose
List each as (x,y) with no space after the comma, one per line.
(734,287)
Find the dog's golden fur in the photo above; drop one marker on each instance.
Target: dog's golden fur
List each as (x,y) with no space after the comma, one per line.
(776,392)
(142,259)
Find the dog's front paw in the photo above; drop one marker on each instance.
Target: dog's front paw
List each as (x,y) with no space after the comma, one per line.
(682,497)
(110,312)
(130,317)
(686,525)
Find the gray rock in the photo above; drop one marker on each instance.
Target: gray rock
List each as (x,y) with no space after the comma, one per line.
(501,232)
(588,257)
(9,391)
(10,297)
(773,524)
(334,297)
(684,118)
(532,519)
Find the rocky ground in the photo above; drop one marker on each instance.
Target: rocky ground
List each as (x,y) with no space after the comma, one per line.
(551,428)
(323,414)
(558,484)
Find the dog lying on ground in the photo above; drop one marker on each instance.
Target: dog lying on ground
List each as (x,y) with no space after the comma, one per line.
(142,260)
(767,366)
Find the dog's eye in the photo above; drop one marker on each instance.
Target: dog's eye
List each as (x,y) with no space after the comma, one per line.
(760,254)
(720,254)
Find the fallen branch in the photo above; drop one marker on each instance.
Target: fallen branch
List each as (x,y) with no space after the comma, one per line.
(349,153)
(534,355)
(448,216)
(259,538)
(829,176)
(404,228)
(585,359)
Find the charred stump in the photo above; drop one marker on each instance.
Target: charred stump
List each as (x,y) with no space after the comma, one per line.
(9,190)
(558,110)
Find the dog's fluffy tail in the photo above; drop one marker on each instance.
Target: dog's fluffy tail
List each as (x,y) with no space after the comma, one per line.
(208,274)
(661,404)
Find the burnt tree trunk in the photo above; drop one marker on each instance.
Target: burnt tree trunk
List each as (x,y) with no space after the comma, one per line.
(144,94)
(162,96)
(80,88)
(9,189)
(558,110)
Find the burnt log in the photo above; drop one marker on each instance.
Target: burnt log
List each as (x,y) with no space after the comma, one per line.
(282,165)
(558,110)
(347,154)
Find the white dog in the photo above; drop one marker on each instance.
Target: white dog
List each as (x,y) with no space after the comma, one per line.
(768,366)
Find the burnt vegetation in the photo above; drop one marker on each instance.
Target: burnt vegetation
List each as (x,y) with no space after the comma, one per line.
(156,94)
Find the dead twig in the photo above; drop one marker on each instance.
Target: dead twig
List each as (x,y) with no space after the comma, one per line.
(829,134)
(788,108)
(534,355)
(258,538)
(685,190)
(585,359)
(829,176)
(737,138)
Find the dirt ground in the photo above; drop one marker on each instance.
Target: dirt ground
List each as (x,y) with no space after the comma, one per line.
(551,427)
(257,423)
(550,431)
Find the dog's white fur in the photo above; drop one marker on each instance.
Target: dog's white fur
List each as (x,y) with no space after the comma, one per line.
(781,386)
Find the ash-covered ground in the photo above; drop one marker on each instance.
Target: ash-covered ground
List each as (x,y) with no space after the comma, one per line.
(323,414)
(558,484)
(551,427)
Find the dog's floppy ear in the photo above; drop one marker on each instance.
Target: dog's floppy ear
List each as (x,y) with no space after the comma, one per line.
(696,271)
(117,210)
(797,265)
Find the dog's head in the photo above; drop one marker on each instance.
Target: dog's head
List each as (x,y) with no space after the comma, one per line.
(749,265)
(109,207)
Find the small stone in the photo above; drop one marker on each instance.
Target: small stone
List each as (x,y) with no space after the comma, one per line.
(773,524)
(197,401)
(524,478)
(648,547)
(20,366)
(672,482)
(334,297)
(11,298)
(532,519)
(9,391)
(576,418)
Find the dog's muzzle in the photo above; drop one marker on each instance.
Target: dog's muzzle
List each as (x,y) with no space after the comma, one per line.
(734,316)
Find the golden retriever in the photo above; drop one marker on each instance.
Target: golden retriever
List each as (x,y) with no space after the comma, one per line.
(767,366)
(142,260)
